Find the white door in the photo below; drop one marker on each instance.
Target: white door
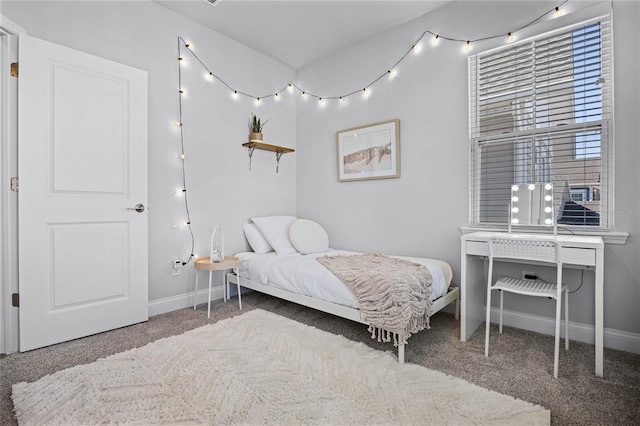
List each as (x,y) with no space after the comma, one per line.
(82,165)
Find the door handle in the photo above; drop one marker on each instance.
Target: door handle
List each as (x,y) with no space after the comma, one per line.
(139,208)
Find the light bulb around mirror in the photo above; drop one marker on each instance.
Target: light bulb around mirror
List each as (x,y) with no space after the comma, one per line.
(514,199)
(548,221)
(514,220)
(515,188)
(531,187)
(515,210)
(547,209)
(548,187)
(547,197)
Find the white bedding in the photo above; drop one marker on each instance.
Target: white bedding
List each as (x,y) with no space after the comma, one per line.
(303,274)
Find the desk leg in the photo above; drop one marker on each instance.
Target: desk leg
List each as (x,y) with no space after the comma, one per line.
(599,300)
(473,292)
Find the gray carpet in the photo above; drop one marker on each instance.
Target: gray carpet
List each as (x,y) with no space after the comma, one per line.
(520,363)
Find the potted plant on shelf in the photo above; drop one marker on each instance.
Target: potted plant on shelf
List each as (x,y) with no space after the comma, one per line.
(255,128)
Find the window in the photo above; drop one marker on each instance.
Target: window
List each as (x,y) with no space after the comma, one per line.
(541,111)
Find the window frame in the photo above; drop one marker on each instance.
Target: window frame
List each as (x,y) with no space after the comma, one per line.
(604,125)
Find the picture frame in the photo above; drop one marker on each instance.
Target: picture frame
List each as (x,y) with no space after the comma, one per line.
(369,152)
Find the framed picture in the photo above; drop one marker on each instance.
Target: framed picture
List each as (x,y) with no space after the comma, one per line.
(369,152)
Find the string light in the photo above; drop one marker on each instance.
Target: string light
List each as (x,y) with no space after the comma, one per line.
(415,47)
(277,96)
(183,189)
(392,74)
(209,76)
(557,12)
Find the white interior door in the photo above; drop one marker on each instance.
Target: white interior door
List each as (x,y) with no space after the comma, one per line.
(82,164)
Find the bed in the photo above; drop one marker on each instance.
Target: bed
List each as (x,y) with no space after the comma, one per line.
(284,263)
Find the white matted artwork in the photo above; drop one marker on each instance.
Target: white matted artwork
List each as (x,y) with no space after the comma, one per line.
(369,152)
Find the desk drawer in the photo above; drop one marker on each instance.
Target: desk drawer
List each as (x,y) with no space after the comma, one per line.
(578,256)
(477,248)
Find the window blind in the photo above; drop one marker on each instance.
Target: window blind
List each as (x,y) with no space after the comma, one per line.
(541,111)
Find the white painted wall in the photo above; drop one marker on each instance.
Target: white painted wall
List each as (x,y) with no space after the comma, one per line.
(418,214)
(421,212)
(222,189)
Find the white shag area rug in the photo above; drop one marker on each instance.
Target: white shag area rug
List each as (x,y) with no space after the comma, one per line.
(261,368)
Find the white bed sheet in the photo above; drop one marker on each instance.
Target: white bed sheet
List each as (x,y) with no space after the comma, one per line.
(303,274)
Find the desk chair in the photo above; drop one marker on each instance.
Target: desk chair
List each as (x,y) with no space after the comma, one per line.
(537,249)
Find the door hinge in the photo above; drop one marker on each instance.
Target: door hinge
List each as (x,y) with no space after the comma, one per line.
(15,182)
(15,299)
(14,69)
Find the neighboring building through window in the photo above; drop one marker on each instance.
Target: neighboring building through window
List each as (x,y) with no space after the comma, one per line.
(541,111)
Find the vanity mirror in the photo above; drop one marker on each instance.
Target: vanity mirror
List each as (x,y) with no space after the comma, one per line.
(532,205)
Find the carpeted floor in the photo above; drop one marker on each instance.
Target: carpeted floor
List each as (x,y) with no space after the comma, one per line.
(520,363)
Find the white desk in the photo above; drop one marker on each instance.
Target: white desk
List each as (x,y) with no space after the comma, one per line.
(582,251)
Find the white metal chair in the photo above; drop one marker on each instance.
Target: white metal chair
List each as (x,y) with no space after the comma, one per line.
(537,249)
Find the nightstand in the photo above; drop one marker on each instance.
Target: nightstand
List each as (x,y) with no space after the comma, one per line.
(205,264)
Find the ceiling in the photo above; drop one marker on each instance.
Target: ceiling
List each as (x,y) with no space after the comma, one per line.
(299,32)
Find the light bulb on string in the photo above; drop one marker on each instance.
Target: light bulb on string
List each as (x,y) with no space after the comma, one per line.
(290,87)
(366,92)
(234,95)
(435,40)
(557,12)
(467,46)
(209,76)
(416,47)
(258,101)
(277,96)
(188,45)
(392,73)
(509,37)
(182,156)
(177,124)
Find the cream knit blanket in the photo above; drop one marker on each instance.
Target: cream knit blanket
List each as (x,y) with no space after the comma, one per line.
(393,294)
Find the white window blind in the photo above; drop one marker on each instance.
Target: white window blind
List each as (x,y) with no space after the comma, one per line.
(541,111)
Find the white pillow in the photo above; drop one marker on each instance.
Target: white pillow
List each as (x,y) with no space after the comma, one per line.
(276,231)
(256,240)
(308,237)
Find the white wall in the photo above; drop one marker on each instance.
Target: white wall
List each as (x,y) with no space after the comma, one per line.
(222,191)
(421,212)
(417,214)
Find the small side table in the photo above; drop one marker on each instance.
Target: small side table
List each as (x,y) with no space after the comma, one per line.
(205,264)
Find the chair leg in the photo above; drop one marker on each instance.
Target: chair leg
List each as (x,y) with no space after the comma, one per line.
(566,319)
(501,305)
(488,320)
(556,353)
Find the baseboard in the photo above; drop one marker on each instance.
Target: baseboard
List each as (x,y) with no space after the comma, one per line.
(173,303)
(613,339)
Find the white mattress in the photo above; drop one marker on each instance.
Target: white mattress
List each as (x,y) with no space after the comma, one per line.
(303,274)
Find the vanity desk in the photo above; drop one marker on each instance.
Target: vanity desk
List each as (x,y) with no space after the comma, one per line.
(585,252)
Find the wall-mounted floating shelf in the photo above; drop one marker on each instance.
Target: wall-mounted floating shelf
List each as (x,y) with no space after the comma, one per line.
(279,150)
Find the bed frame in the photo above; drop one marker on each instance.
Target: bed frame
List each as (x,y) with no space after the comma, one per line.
(353,314)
